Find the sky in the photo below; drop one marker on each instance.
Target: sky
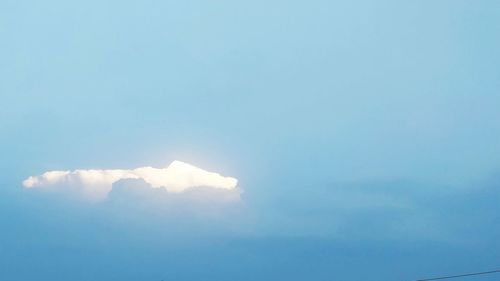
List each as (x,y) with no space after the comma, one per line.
(364,137)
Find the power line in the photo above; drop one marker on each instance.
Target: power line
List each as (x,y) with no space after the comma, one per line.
(461,275)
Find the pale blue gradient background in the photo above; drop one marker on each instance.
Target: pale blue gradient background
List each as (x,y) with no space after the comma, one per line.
(366,135)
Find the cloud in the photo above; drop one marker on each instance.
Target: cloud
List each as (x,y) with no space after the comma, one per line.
(178,177)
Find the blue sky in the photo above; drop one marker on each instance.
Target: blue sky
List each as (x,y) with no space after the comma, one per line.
(364,135)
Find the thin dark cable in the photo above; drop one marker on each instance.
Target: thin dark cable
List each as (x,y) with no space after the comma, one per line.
(462,275)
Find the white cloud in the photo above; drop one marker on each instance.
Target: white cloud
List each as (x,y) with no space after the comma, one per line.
(96,184)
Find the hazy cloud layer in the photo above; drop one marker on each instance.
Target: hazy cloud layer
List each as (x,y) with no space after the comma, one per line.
(97,184)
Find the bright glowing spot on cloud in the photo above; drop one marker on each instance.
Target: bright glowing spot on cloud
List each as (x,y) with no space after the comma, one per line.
(177,177)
